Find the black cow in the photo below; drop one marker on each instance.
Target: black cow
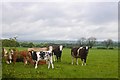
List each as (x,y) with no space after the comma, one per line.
(80,52)
(57,52)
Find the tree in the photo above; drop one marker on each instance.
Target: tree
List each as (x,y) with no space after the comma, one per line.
(27,44)
(30,44)
(91,41)
(108,43)
(82,41)
(24,44)
(10,43)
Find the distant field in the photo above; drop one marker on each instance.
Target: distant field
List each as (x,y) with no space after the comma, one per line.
(100,64)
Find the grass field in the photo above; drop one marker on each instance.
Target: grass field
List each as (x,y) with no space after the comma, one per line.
(100,64)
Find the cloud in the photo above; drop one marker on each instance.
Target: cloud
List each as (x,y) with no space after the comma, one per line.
(59,21)
(101,13)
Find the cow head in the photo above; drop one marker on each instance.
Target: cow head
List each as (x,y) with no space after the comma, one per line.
(87,49)
(10,55)
(61,47)
(50,48)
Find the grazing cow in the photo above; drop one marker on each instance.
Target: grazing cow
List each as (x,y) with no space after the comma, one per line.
(80,52)
(42,55)
(57,52)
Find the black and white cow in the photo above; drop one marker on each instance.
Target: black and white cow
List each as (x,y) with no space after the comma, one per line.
(42,55)
(80,52)
(57,52)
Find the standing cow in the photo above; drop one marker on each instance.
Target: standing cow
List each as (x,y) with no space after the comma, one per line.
(57,52)
(42,55)
(80,52)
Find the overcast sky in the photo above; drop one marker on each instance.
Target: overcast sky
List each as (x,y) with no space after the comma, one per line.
(60,20)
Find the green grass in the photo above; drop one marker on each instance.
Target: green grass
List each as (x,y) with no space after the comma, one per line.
(100,64)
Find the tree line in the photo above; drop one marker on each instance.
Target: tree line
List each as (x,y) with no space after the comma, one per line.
(91,42)
(13,43)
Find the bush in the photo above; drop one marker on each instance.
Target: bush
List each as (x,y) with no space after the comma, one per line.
(101,48)
(111,48)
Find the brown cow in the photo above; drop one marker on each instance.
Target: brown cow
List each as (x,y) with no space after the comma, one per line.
(80,52)
(20,56)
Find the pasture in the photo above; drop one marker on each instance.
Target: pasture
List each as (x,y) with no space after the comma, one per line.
(100,64)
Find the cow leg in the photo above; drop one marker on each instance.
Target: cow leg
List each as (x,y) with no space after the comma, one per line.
(7,62)
(10,61)
(51,62)
(57,58)
(14,60)
(52,65)
(31,61)
(85,62)
(72,60)
(53,56)
(25,61)
(48,64)
(10,57)
(77,61)
(60,55)
(6,59)
(36,63)
(60,59)
(82,61)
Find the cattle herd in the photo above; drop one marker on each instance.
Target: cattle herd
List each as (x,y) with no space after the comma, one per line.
(46,54)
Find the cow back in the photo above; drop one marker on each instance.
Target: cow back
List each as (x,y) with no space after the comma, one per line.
(80,52)
(38,49)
